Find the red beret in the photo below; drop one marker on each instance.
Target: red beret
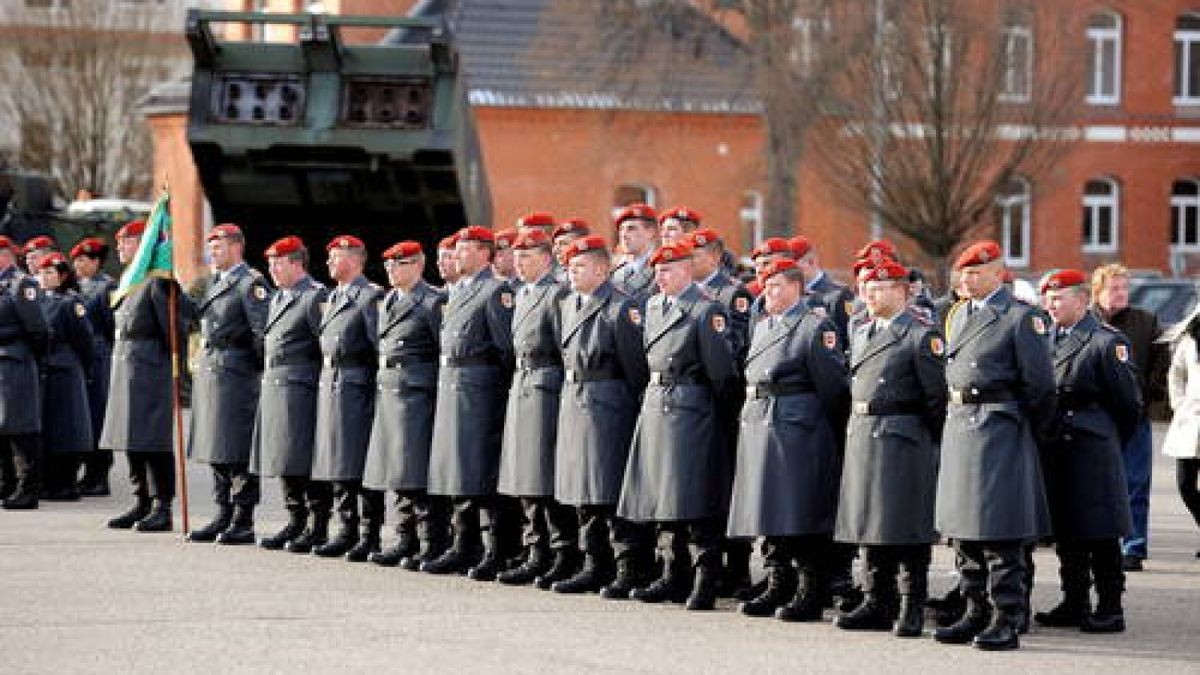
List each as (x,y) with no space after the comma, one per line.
(7,243)
(775,267)
(680,213)
(536,219)
(636,211)
(979,253)
(1063,279)
(880,246)
(224,230)
(40,242)
(89,246)
(405,249)
(800,245)
(345,241)
(887,270)
(531,239)
(771,246)
(575,226)
(286,246)
(448,242)
(505,238)
(477,233)
(133,228)
(51,259)
(703,237)
(754,287)
(588,244)
(669,253)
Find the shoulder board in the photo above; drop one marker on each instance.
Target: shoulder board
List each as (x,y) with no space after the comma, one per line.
(921,315)
(255,273)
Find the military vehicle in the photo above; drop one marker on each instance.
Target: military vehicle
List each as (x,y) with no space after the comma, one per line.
(324,134)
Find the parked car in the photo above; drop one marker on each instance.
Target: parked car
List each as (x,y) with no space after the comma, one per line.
(1172,300)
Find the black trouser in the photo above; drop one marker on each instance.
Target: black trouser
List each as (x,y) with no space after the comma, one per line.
(993,568)
(687,543)
(596,529)
(809,553)
(97,463)
(1082,561)
(60,469)
(152,475)
(888,569)
(1186,473)
(20,466)
(337,495)
(234,484)
(302,495)
(548,524)
(496,514)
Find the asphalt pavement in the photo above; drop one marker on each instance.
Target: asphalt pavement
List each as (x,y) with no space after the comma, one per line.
(78,598)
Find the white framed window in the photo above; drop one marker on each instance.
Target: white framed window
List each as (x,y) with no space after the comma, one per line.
(1187,60)
(750,215)
(1104,59)
(632,193)
(1101,215)
(1185,215)
(807,36)
(1017,45)
(891,69)
(1013,212)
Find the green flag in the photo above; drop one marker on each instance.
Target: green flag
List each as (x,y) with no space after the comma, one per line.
(153,257)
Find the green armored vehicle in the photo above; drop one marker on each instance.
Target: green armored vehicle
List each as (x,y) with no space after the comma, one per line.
(324,135)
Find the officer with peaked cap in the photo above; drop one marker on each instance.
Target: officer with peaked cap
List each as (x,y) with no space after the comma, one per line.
(410,321)
(605,373)
(1099,405)
(476,361)
(990,497)
(889,478)
(226,385)
(531,421)
(96,287)
(287,409)
(23,338)
(788,453)
(678,470)
(139,419)
(637,230)
(346,397)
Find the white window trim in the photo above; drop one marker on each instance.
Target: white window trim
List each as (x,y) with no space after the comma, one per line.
(1184,202)
(1006,203)
(649,191)
(1006,94)
(753,214)
(1094,203)
(1097,37)
(1191,40)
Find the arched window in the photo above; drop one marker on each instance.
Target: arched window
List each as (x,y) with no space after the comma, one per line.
(1013,213)
(1187,60)
(1104,59)
(1101,215)
(1185,215)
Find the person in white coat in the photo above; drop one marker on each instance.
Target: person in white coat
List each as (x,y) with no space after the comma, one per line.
(1183,436)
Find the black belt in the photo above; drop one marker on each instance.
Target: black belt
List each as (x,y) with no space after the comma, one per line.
(463,361)
(293,360)
(348,361)
(665,379)
(975,395)
(1070,399)
(225,345)
(888,408)
(133,337)
(401,360)
(598,375)
(535,361)
(768,390)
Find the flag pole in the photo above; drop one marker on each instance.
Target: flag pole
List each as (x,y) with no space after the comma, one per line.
(176,383)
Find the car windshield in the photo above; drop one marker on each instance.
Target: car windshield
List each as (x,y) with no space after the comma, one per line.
(1171,301)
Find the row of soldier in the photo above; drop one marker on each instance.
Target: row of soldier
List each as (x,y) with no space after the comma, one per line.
(557,433)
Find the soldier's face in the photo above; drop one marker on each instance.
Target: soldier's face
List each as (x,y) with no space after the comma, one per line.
(127,248)
(86,266)
(405,272)
(284,271)
(636,236)
(673,277)
(7,259)
(587,272)
(980,280)
(344,264)
(33,258)
(531,264)
(224,253)
(704,262)
(1114,295)
(763,261)
(670,231)
(1066,306)
(808,267)
(780,293)
(470,256)
(503,262)
(49,278)
(885,298)
(447,264)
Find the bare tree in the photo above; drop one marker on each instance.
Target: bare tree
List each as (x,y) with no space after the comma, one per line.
(71,76)
(954,101)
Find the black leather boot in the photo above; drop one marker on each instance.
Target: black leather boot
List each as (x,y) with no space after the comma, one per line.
(875,613)
(316,534)
(808,602)
(368,543)
(345,540)
(456,560)
(1067,614)
(705,587)
(1001,632)
(127,520)
(735,577)
(566,564)
(94,486)
(391,556)
(673,586)
(293,529)
(430,549)
(219,524)
(158,520)
(630,575)
(537,562)
(486,570)
(911,622)
(595,573)
(753,591)
(22,500)
(241,530)
(1109,617)
(948,608)
(780,587)
(973,620)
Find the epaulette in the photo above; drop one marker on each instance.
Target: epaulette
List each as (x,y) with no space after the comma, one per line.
(921,314)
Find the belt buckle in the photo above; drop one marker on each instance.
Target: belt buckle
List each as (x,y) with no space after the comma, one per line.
(572,375)
(656,377)
(445,360)
(956,396)
(327,361)
(751,391)
(383,361)
(862,407)
(524,363)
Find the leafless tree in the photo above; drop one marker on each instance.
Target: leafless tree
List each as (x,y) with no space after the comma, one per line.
(71,76)
(954,101)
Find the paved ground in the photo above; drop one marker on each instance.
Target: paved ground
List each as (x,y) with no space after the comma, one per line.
(78,598)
